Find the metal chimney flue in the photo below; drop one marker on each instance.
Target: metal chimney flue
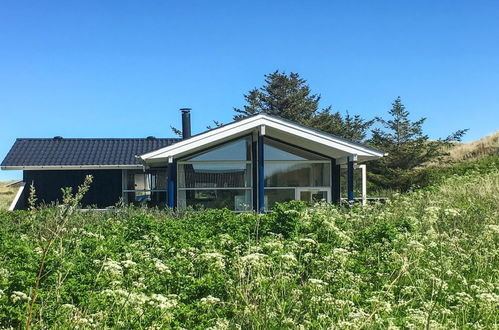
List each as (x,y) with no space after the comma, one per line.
(186,123)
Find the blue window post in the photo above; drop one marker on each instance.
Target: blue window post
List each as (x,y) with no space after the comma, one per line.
(335,182)
(254,172)
(171,183)
(350,178)
(261,175)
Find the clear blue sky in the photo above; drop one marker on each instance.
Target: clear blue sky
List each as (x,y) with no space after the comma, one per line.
(123,68)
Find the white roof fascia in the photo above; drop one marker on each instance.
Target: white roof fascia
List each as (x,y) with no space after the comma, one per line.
(206,138)
(324,138)
(248,124)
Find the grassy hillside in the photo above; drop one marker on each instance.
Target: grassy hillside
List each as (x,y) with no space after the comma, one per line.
(7,194)
(426,259)
(487,146)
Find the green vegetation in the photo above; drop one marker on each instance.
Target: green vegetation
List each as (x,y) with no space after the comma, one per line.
(428,259)
(408,149)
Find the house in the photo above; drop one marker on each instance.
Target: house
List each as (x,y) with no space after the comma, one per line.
(248,164)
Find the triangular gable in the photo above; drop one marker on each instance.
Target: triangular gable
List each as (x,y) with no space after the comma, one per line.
(274,127)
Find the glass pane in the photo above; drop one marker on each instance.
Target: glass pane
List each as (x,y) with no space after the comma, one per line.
(313,196)
(319,196)
(305,196)
(287,174)
(237,200)
(277,195)
(158,179)
(151,179)
(274,150)
(214,175)
(237,150)
(146,198)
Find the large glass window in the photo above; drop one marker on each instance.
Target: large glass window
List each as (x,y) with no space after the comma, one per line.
(214,175)
(296,174)
(145,188)
(216,178)
(293,173)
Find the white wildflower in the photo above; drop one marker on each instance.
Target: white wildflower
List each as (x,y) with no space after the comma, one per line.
(18,295)
(489,298)
(493,229)
(273,245)
(216,258)
(289,257)
(451,212)
(317,282)
(308,241)
(161,267)
(341,254)
(112,267)
(91,235)
(139,285)
(221,324)
(253,259)
(210,300)
(128,263)
(163,302)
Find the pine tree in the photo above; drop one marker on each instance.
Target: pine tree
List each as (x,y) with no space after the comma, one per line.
(286,96)
(407,147)
(290,97)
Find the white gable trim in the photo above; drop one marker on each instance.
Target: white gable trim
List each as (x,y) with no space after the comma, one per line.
(267,124)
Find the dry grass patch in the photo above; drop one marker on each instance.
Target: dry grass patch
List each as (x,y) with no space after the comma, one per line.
(7,194)
(487,146)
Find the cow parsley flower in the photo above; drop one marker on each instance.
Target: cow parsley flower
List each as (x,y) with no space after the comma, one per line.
(210,300)
(113,267)
(289,257)
(128,263)
(317,282)
(18,295)
(161,267)
(253,259)
(216,258)
(308,241)
(163,302)
(451,212)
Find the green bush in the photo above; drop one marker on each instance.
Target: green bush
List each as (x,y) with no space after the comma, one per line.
(425,259)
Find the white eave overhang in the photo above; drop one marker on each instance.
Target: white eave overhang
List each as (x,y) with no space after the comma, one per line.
(274,127)
(71,167)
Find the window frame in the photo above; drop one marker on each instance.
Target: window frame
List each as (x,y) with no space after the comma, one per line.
(183,161)
(124,184)
(298,189)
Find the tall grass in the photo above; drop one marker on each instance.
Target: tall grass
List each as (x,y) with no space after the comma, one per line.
(486,146)
(7,194)
(428,259)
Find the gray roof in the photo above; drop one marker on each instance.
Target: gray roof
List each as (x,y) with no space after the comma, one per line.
(77,152)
